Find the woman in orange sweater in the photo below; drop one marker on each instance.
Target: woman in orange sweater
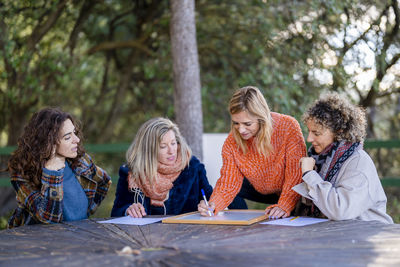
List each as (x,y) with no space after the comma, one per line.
(260,158)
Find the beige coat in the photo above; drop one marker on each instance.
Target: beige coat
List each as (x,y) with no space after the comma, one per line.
(357,193)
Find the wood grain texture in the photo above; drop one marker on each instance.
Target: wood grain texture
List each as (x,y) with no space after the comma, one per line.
(87,243)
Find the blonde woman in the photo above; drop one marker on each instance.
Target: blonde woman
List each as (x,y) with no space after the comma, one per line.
(161,176)
(260,157)
(340,181)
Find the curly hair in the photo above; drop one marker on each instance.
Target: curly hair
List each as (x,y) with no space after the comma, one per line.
(346,120)
(36,144)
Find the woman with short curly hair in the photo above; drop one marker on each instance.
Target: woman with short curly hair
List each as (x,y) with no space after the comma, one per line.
(340,180)
(54,179)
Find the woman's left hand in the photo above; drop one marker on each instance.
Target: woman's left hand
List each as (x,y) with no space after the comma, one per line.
(275,213)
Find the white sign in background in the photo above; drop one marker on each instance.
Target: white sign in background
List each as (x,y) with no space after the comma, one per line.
(212,160)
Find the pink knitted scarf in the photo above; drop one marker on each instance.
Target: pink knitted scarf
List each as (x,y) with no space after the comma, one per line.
(158,191)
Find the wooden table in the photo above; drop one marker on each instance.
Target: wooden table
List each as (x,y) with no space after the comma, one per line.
(87,243)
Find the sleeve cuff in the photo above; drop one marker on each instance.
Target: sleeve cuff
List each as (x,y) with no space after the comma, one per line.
(301,189)
(312,178)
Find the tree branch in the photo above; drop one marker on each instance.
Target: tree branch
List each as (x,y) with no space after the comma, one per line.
(125,78)
(10,70)
(42,28)
(84,13)
(118,45)
(90,111)
(347,47)
(381,65)
(388,38)
(391,92)
(392,62)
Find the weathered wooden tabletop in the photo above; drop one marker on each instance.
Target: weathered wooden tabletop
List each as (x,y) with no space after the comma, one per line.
(87,243)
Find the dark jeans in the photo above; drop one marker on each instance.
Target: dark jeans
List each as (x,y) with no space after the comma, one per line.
(248,192)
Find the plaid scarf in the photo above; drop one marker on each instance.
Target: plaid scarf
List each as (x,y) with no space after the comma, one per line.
(329,162)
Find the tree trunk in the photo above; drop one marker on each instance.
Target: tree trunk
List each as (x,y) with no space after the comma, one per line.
(187,96)
(16,124)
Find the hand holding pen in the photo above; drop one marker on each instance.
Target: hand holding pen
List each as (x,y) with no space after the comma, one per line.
(206,208)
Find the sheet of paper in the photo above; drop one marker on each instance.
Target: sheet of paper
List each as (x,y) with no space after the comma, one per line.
(295,221)
(132,221)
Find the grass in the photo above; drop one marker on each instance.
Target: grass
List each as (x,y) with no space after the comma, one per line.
(393,204)
(104,211)
(3,222)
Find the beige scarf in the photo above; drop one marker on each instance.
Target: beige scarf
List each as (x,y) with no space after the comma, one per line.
(158,192)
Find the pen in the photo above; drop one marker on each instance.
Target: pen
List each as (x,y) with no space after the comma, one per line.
(294,218)
(205,200)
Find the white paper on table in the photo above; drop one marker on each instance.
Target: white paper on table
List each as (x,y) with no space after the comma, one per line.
(300,221)
(133,221)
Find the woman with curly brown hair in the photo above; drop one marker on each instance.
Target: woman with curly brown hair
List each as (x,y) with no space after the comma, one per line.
(54,179)
(340,180)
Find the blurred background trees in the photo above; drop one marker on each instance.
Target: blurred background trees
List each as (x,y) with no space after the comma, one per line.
(109,62)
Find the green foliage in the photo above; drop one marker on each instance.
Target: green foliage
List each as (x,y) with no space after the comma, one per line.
(104,210)
(109,62)
(3,222)
(116,69)
(393,205)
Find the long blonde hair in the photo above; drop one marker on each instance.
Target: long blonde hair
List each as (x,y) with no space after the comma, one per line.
(142,155)
(251,100)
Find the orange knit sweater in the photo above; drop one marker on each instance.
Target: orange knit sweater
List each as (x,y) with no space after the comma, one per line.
(276,173)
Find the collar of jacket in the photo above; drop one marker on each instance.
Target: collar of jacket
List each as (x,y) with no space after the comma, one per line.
(86,168)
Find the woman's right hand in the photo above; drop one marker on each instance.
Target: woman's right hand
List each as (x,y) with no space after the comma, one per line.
(136,210)
(203,209)
(55,162)
(307,164)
